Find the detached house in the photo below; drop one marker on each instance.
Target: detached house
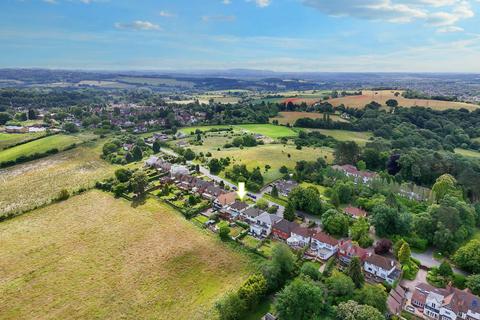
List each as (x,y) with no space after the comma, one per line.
(236,209)
(323,245)
(263,224)
(446,304)
(251,214)
(224,200)
(300,237)
(355,212)
(283,229)
(284,187)
(358,176)
(347,250)
(381,269)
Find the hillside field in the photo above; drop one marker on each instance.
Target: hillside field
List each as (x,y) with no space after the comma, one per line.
(96,257)
(59,141)
(382,96)
(10,139)
(31,184)
(290,117)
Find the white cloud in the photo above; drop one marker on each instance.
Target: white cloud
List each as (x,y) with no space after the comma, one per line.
(218,18)
(436,13)
(261,3)
(226,1)
(138,25)
(167,14)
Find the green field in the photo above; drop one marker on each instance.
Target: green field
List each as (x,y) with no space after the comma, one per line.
(34,183)
(274,155)
(96,257)
(10,139)
(268,130)
(360,137)
(467,153)
(58,141)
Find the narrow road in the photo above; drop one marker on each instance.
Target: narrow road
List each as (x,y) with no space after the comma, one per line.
(427,260)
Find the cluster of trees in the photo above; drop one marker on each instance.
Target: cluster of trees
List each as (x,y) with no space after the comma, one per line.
(253,179)
(306,200)
(243,141)
(125,181)
(314,139)
(114,152)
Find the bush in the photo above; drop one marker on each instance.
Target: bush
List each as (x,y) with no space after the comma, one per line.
(224,233)
(63,195)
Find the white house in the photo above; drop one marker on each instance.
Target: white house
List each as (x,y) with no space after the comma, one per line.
(263,224)
(300,237)
(178,169)
(324,245)
(381,267)
(236,209)
(251,214)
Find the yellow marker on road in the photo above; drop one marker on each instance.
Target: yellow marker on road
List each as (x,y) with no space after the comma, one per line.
(241,190)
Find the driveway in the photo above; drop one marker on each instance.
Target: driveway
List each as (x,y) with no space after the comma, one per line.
(426,259)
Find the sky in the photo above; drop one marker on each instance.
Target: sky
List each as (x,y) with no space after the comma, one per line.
(277,35)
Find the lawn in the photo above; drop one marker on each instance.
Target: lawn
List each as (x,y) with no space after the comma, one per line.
(383,95)
(189,130)
(31,184)
(96,257)
(360,137)
(9,139)
(266,249)
(274,155)
(250,242)
(467,153)
(58,141)
(290,117)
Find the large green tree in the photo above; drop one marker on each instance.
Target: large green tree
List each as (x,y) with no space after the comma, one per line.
(351,310)
(354,271)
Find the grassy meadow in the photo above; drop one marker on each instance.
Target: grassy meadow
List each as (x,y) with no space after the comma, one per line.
(290,117)
(94,256)
(360,137)
(31,184)
(383,95)
(59,141)
(10,139)
(268,130)
(467,153)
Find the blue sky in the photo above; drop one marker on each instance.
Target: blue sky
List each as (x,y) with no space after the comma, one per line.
(279,35)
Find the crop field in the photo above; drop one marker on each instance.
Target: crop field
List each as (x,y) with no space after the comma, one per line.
(31,184)
(9,139)
(58,141)
(468,153)
(292,116)
(96,257)
(382,96)
(268,130)
(274,155)
(360,137)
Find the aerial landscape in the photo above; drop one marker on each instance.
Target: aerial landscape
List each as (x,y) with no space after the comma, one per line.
(240,159)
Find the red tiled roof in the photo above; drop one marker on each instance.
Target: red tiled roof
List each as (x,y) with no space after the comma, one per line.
(356,212)
(382,262)
(325,238)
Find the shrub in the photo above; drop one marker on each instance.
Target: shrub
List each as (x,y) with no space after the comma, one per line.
(63,195)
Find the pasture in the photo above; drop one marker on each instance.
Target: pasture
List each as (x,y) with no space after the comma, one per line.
(290,117)
(467,153)
(59,141)
(383,95)
(34,183)
(96,257)
(10,139)
(360,137)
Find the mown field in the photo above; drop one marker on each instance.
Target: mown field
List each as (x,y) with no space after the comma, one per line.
(382,96)
(96,257)
(10,139)
(59,141)
(268,130)
(468,153)
(31,184)
(290,117)
(360,137)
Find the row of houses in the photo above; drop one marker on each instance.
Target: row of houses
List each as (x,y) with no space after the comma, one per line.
(357,175)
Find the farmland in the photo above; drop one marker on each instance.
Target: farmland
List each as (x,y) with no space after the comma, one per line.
(34,183)
(59,141)
(285,118)
(360,137)
(267,130)
(382,96)
(10,139)
(94,256)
